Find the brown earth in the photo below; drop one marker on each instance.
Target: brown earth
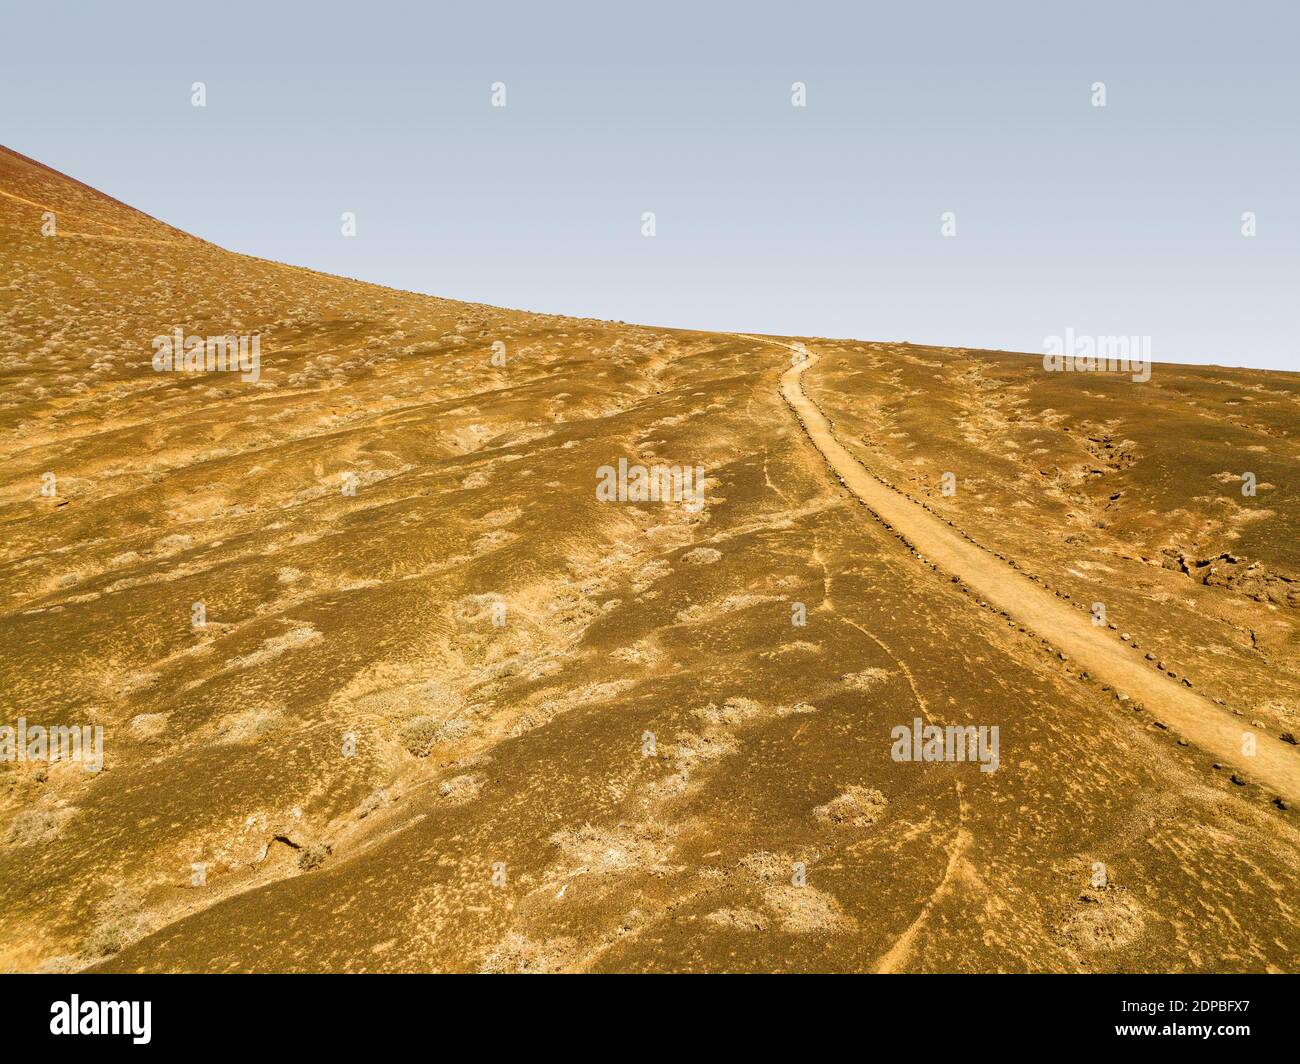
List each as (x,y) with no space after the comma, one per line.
(466,716)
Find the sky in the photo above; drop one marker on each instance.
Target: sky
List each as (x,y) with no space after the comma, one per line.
(821,220)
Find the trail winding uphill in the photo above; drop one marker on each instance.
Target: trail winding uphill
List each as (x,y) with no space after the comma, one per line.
(1273,764)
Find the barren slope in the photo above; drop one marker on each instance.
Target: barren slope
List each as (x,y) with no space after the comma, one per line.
(629,772)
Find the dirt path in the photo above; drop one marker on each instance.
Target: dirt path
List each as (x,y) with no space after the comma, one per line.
(1275,764)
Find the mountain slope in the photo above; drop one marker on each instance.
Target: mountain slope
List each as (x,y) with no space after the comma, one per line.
(448,710)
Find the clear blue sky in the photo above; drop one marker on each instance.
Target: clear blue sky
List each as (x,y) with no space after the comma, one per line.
(823,220)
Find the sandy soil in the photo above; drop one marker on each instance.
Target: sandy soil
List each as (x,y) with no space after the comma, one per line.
(444,709)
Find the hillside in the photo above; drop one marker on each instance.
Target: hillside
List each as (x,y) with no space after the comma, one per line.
(386,685)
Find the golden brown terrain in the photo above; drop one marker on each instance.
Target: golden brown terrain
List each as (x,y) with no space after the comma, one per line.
(448,711)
